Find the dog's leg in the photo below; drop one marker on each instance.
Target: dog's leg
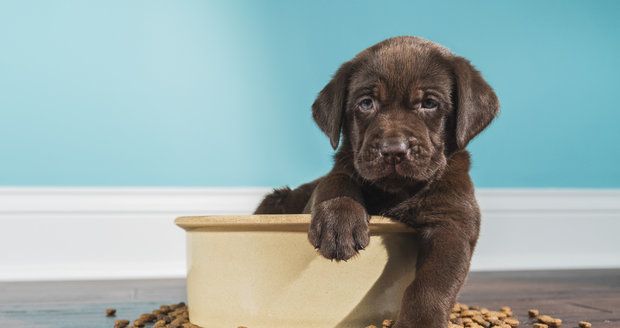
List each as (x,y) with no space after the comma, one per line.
(339,227)
(443,263)
(287,201)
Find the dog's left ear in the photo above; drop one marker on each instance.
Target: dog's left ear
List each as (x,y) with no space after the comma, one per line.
(476,102)
(329,106)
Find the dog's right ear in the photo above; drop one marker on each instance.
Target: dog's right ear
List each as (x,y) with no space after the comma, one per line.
(329,106)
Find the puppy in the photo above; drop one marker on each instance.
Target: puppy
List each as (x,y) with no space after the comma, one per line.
(406,108)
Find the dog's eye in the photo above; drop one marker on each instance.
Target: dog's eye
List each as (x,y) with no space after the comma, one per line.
(429,103)
(366,104)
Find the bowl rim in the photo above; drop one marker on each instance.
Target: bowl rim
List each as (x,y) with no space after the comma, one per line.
(274,222)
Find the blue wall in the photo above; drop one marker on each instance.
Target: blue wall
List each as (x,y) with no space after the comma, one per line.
(205,93)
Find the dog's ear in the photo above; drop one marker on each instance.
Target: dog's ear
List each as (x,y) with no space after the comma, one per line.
(329,106)
(476,102)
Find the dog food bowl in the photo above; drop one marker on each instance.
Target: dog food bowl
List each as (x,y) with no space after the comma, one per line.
(260,271)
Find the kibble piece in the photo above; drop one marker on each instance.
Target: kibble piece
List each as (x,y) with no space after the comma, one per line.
(499,315)
(533,313)
(148,317)
(190,325)
(585,324)
(480,320)
(178,321)
(159,324)
(540,325)
(387,323)
(371,326)
(495,321)
(121,323)
(547,320)
(468,313)
(512,322)
(110,312)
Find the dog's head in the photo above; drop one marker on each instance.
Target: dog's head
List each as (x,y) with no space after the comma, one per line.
(403,106)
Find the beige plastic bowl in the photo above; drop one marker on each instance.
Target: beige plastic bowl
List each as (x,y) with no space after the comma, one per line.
(260,271)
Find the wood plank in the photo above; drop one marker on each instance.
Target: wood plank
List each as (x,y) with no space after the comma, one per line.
(574,295)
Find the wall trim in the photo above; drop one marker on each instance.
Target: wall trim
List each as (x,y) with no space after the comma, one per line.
(120,232)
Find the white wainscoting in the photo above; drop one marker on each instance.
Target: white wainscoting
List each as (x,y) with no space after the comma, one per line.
(114,233)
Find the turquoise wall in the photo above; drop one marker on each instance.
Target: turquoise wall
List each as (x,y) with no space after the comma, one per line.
(205,93)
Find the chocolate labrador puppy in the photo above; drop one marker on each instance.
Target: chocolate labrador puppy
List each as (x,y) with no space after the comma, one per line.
(406,109)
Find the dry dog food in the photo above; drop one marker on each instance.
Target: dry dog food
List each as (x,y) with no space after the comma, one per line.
(462,316)
(387,323)
(549,320)
(167,316)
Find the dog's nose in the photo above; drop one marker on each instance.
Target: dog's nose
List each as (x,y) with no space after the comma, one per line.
(394,150)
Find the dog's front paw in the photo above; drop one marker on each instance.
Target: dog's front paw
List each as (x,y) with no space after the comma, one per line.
(339,228)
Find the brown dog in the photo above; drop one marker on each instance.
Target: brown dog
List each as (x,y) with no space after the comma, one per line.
(406,108)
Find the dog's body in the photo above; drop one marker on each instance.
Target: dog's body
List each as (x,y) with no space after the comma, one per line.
(406,109)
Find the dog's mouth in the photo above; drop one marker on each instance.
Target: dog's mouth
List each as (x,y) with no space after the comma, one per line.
(375,167)
(394,170)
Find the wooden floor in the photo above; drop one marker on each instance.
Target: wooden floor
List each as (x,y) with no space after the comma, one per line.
(592,295)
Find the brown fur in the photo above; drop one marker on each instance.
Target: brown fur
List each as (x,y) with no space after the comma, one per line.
(406,109)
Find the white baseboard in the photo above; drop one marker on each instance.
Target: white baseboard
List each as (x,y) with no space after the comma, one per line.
(115,233)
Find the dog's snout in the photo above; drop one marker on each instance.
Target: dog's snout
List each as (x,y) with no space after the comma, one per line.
(394,151)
